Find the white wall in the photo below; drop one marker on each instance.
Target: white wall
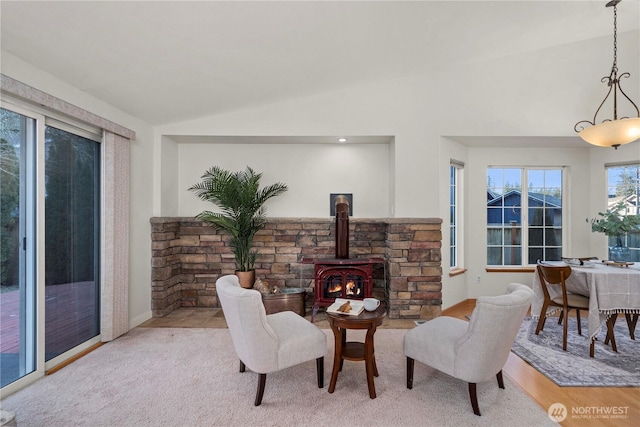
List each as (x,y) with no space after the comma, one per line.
(371,109)
(311,171)
(540,93)
(166,173)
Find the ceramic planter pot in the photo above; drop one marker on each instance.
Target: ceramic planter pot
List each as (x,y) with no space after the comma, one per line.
(246,278)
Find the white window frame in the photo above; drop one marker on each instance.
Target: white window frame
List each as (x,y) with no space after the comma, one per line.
(608,166)
(524,241)
(456,188)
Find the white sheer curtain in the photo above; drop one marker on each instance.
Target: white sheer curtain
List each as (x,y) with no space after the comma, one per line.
(114,317)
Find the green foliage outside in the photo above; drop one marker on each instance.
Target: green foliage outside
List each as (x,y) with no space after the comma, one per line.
(9,202)
(614,224)
(71,206)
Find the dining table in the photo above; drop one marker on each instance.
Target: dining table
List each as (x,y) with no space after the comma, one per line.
(612,289)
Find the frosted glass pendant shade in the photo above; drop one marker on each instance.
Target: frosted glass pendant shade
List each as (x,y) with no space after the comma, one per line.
(612,133)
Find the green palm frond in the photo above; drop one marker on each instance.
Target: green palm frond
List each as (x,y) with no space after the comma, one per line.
(241,201)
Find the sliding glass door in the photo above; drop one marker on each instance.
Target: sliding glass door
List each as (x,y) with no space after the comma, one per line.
(72,225)
(17,246)
(50,241)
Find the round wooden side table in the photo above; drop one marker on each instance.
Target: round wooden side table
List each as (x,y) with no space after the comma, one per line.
(355,351)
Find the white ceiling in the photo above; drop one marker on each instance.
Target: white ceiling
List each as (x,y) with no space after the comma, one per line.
(167,61)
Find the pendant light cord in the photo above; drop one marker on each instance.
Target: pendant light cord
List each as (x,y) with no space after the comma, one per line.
(614,69)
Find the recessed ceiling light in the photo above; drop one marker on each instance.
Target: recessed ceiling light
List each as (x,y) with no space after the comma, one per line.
(342,139)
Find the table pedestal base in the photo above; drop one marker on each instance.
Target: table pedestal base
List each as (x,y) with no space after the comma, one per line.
(355,351)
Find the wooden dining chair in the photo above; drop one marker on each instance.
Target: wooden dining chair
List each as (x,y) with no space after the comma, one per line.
(582,260)
(556,275)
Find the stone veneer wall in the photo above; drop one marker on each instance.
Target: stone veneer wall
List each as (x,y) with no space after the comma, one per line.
(188,257)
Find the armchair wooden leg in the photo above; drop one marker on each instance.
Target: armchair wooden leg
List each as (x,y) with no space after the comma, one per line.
(410,364)
(242,367)
(500,380)
(262,379)
(320,370)
(474,398)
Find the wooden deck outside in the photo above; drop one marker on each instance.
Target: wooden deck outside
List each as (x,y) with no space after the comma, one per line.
(71,315)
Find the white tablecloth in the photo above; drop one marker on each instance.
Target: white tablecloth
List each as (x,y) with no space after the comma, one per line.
(610,290)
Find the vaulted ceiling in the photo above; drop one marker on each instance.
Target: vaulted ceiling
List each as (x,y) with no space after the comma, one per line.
(165,61)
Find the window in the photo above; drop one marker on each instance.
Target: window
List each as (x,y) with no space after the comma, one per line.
(524,222)
(455,214)
(623,186)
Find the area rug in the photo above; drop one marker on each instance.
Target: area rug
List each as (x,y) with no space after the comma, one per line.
(574,367)
(189,377)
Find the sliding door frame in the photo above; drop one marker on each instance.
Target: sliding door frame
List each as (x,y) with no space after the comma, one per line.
(115,165)
(31,289)
(34,258)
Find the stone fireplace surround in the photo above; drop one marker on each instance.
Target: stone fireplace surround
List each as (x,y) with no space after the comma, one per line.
(188,256)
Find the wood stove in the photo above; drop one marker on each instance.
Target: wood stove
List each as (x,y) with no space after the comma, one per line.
(341,277)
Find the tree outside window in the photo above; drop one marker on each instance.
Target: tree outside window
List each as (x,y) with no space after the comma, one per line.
(623,190)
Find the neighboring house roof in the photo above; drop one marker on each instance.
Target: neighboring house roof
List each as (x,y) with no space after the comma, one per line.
(630,202)
(495,199)
(492,195)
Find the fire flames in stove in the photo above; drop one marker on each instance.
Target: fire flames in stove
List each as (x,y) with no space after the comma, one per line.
(347,287)
(352,290)
(335,287)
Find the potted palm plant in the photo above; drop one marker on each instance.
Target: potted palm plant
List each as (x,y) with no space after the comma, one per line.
(615,225)
(242,213)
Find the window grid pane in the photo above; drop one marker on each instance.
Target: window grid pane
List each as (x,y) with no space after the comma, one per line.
(453,215)
(623,187)
(506,197)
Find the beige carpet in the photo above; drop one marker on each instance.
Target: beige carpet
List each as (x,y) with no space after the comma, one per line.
(189,377)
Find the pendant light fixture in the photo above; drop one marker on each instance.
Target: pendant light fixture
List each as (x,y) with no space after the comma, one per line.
(612,132)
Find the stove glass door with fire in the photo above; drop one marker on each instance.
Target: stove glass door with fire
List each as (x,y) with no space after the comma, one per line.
(342,281)
(344,285)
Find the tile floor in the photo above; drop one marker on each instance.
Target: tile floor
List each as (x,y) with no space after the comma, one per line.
(202,317)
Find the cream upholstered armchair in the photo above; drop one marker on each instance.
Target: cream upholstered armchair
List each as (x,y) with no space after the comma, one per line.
(268,343)
(473,351)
